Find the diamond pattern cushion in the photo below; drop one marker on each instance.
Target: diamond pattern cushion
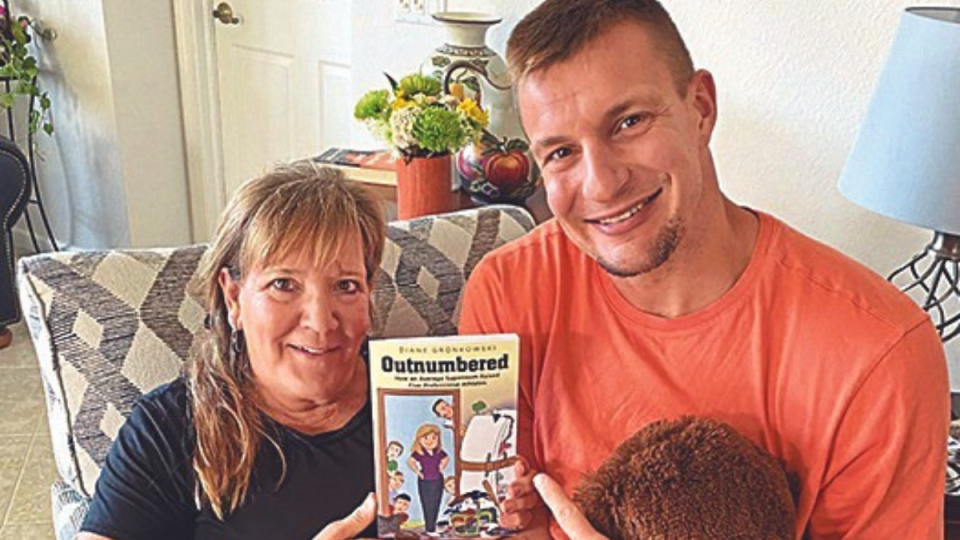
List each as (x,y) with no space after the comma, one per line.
(110,326)
(426,263)
(69,508)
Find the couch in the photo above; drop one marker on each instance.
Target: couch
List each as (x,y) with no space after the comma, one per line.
(109,326)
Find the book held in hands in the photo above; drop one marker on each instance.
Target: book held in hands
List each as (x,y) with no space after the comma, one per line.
(445,431)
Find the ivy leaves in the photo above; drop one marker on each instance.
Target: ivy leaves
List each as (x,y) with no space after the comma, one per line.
(18,71)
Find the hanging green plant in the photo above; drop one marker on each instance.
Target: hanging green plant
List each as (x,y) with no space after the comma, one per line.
(19,69)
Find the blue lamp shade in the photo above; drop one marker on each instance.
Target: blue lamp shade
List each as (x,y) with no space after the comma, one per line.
(905,163)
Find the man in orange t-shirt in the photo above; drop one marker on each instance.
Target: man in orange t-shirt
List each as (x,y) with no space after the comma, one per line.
(652,295)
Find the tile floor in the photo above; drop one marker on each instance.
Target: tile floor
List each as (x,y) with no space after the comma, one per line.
(26,460)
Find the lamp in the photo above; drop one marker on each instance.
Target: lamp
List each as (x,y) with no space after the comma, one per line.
(905,163)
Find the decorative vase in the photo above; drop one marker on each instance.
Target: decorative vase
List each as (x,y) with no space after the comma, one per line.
(499,168)
(423,187)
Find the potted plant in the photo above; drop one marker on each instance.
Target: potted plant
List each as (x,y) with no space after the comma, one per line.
(423,126)
(19,69)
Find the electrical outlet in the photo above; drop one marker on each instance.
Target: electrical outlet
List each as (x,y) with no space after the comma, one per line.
(418,11)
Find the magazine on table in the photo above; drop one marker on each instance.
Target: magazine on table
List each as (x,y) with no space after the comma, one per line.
(367,166)
(445,430)
(367,159)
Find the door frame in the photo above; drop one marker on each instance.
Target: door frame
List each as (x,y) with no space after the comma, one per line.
(199,95)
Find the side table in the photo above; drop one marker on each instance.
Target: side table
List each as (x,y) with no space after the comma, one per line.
(386,190)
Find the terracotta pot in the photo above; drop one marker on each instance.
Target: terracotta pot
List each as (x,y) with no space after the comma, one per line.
(424,187)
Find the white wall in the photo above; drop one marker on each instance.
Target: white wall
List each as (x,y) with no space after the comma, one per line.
(113,174)
(794,80)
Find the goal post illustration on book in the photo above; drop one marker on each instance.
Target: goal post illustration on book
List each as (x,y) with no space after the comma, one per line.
(445,430)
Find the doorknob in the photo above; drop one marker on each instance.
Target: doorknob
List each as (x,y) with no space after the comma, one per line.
(224,13)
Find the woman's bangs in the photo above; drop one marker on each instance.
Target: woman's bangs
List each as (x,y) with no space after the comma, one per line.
(299,231)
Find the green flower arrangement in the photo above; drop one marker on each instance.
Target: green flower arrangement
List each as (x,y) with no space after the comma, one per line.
(417,119)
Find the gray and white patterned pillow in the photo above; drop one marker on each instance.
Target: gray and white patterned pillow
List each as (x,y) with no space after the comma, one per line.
(69,509)
(110,326)
(426,262)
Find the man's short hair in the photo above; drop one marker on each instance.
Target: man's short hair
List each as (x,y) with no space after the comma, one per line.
(559,29)
(402,497)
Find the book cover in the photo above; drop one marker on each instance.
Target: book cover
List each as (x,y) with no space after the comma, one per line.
(445,429)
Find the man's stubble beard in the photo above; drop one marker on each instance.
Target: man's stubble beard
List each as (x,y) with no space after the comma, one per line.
(664,245)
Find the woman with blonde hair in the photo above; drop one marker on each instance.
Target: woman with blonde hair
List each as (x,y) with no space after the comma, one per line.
(428,460)
(268,434)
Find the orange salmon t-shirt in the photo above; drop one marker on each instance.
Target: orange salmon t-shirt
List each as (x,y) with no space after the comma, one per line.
(811,355)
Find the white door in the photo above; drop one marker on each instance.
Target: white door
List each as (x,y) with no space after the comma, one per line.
(283,73)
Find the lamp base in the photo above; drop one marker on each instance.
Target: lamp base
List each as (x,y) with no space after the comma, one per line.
(933,277)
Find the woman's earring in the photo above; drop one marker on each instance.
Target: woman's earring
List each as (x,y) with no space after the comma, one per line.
(236,342)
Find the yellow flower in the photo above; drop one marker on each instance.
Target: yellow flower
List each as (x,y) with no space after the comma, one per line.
(473,111)
(400,103)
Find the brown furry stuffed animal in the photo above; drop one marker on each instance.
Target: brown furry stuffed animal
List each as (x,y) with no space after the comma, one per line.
(689,479)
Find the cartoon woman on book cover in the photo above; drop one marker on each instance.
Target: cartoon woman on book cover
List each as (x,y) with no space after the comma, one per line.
(428,460)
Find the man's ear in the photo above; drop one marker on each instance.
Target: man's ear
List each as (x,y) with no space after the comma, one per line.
(704,96)
(231,296)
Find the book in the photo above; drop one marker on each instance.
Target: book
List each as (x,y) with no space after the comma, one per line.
(366,166)
(445,430)
(366,159)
